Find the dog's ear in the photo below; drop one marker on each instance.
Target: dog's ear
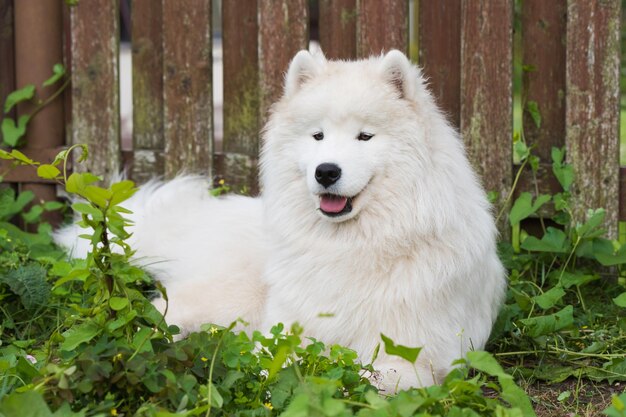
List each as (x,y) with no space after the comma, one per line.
(398,71)
(303,67)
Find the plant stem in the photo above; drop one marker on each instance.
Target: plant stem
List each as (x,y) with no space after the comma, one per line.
(513,187)
(51,98)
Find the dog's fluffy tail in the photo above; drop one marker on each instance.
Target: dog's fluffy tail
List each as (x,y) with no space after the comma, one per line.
(155,192)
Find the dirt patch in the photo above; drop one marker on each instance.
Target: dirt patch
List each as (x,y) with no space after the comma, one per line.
(572,397)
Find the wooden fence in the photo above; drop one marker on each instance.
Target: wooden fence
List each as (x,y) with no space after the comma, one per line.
(465,47)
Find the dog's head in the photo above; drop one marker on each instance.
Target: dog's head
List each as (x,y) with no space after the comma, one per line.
(346,142)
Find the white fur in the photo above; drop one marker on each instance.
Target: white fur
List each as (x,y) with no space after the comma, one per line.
(415,259)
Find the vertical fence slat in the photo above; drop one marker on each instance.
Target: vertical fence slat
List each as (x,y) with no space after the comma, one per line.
(382,25)
(543,31)
(147,47)
(338,28)
(38,47)
(283,31)
(241,94)
(592,106)
(187,60)
(440,53)
(7,63)
(95,83)
(486,96)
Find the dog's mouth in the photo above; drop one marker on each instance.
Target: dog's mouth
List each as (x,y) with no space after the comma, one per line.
(335,205)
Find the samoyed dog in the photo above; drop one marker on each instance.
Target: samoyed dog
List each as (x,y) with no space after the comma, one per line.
(371,220)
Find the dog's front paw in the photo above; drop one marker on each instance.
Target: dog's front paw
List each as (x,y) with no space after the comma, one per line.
(392,376)
(386,381)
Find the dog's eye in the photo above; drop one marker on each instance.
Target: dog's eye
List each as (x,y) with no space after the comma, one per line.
(364,136)
(318,136)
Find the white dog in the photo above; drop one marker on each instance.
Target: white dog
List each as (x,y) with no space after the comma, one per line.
(371,221)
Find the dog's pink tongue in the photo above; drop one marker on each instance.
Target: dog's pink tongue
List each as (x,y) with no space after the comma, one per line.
(333,203)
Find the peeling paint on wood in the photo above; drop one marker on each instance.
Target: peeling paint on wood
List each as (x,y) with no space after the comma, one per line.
(95,83)
(147,55)
(486,92)
(592,106)
(382,25)
(440,53)
(338,28)
(241,94)
(188,106)
(283,31)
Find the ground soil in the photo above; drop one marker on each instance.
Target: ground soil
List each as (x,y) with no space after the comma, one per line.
(586,399)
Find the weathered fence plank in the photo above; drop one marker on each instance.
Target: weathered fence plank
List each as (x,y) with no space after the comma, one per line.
(7,55)
(283,31)
(95,83)
(440,53)
(241,94)
(38,47)
(382,25)
(147,50)
(486,96)
(338,28)
(543,31)
(187,61)
(592,106)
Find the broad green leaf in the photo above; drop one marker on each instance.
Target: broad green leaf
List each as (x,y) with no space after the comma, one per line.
(33,215)
(97,195)
(19,156)
(25,404)
(589,229)
(533,109)
(569,279)
(79,334)
(544,325)
(549,298)
(521,150)
(118,303)
(524,207)
(563,172)
(122,191)
(88,209)
(554,240)
(278,361)
(485,362)
(59,71)
(605,253)
(122,320)
(26,369)
(77,182)
(11,205)
(408,353)
(29,283)
(48,172)
(75,275)
(53,205)
(12,132)
(216,400)
(516,396)
(620,300)
(25,93)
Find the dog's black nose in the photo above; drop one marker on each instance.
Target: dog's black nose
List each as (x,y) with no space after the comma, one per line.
(327,174)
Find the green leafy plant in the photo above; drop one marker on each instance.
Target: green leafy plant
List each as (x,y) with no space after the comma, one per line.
(563,310)
(14,129)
